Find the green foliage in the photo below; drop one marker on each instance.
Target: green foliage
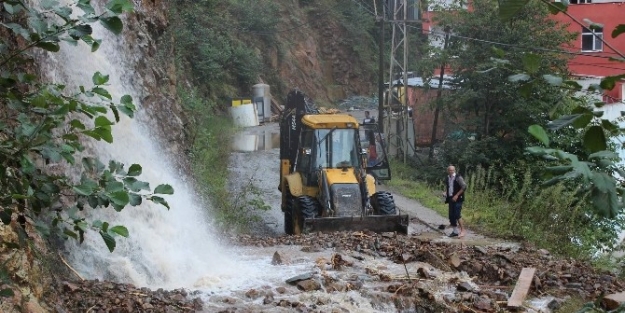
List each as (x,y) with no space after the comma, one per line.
(360,31)
(597,307)
(510,203)
(486,102)
(594,173)
(232,210)
(409,181)
(225,47)
(593,169)
(46,124)
(214,41)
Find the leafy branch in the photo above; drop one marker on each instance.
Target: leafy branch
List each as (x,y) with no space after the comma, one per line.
(45,124)
(595,172)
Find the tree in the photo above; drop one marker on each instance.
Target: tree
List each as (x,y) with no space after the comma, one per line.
(594,168)
(42,123)
(485,102)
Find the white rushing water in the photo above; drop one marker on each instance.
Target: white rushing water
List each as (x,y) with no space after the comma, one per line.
(169,249)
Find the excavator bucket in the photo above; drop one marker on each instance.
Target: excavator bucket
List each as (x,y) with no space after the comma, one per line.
(375,223)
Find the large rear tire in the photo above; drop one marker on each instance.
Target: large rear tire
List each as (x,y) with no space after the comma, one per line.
(288,215)
(383,203)
(306,207)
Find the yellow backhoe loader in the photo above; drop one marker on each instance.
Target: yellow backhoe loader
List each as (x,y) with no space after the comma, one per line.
(328,171)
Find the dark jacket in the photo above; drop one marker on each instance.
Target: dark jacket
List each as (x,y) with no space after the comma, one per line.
(458,185)
(370,120)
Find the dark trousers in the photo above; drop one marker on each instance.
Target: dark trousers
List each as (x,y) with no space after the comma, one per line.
(455,211)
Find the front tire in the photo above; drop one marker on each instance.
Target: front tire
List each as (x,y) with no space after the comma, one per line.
(383,203)
(306,207)
(288,215)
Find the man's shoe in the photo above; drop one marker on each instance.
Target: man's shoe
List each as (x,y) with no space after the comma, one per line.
(453,235)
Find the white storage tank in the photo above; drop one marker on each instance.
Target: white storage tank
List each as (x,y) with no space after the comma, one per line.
(263,108)
(244,114)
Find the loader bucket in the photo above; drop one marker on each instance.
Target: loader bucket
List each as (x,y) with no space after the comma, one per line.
(375,223)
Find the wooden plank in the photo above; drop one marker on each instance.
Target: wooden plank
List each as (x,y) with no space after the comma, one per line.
(275,107)
(522,287)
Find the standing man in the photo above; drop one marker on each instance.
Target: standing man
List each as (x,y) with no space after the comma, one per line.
(368,119)
(454,196)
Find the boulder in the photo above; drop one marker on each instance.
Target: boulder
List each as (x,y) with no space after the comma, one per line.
(277,259)
(308,285)
(614,300)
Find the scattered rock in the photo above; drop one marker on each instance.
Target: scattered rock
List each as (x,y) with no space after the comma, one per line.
(480,249)
(293,280)
(426,273)
(454,260)
(574,285)
(314,248)
(268,299)
(614,300)
(555,304)
(252,293)
(505,257)
(406,257)
(308,285)
(483,304)
(277,259)
(70,287)
(536,281)
(97,296)
(487,267)
(464,286)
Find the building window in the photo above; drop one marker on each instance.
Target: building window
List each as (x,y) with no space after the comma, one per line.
(580,1)
(591,39)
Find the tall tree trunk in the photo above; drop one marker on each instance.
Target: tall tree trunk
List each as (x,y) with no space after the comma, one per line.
(439,94)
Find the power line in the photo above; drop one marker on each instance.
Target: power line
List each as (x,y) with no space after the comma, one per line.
(522,47)
(597,65)
(515,46)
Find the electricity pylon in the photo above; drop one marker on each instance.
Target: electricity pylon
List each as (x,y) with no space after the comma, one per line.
(399,52)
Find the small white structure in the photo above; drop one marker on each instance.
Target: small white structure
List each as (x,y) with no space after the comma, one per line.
(244,115)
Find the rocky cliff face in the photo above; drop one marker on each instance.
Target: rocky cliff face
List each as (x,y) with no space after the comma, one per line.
(155,73)
(24,268)
(320,58)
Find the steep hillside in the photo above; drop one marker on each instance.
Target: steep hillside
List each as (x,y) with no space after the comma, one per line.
(326,48)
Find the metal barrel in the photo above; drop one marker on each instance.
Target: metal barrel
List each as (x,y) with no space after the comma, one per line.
(374,223)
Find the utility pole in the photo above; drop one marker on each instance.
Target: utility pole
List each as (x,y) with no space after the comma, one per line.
(382,20)
(404,111)
(399,30)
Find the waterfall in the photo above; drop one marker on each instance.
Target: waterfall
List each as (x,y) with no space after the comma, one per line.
(169,249)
